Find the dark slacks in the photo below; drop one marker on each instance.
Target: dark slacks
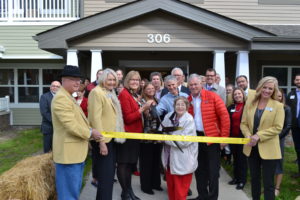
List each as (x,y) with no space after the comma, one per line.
(257,165)
(296,139)
(207,173)
(150,166)
(47,142)
(94,157)
(105,171)
(239,163)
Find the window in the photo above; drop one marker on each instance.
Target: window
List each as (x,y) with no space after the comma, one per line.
(284,74)
(26,85)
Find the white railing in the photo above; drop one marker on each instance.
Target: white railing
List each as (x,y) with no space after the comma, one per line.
(39,10)
(4,104)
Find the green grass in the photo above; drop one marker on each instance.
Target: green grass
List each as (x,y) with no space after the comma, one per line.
(23,145)
(290,187)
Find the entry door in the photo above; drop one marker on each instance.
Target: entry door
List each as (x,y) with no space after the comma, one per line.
(145,67)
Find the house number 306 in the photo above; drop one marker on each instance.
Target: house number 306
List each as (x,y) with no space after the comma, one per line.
(159,38)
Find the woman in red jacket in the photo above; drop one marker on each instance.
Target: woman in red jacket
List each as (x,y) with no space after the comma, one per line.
(127,153)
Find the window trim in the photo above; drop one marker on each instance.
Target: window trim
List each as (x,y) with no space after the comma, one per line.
(279,2)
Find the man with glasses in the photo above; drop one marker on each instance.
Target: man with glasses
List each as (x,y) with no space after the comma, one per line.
(211,84)
(45,110)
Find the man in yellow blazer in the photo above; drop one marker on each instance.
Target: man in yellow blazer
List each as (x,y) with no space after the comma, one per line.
(70,136)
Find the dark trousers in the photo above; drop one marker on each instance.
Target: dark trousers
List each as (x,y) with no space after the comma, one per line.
(267,168)
(94,156)
(239,163)
(296,139)
(105,171)
(150,166)
(207,173)
(47,142)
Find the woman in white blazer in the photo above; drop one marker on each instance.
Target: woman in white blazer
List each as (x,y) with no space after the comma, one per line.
(180,165)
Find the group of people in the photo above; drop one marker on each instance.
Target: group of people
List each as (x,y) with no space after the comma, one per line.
(169,106)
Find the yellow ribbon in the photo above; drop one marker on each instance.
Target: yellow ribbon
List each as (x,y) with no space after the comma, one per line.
(163,137)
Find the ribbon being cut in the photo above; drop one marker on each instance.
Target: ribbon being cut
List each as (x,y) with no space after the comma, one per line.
(164,137)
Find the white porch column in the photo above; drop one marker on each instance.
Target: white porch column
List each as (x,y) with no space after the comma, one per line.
(96,63)
(219,65)
(242,64)
(72,58)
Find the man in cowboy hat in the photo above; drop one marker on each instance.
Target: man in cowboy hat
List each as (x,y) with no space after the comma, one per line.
(71,135)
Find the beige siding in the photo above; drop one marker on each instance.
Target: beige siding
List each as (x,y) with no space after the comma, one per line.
(184,34)
(26,116)
(247,11)
(18,41)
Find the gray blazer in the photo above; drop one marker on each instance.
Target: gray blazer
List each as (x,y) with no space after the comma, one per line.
(218,90)
(45,109)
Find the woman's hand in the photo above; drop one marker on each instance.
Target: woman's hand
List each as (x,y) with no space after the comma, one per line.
(146,106)
(103,149)
(253,140)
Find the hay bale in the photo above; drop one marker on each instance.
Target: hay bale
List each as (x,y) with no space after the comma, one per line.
(30,179)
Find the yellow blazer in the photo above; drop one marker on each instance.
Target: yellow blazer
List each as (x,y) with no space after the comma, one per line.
(250,96)
(270,126)
(101,111)
(71,130)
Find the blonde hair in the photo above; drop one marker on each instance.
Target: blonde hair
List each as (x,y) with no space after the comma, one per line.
(102,78)
(129,76)
(261,83)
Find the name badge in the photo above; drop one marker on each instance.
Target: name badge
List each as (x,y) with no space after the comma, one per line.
(232,110)
(269,109)
(292,97)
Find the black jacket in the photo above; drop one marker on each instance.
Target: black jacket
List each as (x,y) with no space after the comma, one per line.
(183,89)
(292,101)
(287,122)
(45,109)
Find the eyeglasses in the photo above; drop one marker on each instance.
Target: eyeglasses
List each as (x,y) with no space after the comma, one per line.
(57,86)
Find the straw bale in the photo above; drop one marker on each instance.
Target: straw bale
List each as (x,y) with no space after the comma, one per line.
(30,179)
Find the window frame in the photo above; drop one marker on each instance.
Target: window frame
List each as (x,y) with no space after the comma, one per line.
(290,82)
(16,86)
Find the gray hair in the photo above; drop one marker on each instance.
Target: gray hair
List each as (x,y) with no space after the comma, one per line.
(176,68)
(170,78)
(102,78)
(199,77)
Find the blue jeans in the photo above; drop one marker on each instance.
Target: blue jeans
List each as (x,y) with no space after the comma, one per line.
(68,178)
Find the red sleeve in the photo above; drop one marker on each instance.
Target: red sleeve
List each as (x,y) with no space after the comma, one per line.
(84,106)
(130,109)
(223,116)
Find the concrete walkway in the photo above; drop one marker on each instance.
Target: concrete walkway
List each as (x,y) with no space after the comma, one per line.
(226,192)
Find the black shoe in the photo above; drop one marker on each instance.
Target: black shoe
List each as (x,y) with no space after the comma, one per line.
(197,198)
(132,195)
(240,186)
(125,196)
(148,192)
(94,183)
(157,188)
(190,193)
(233,182)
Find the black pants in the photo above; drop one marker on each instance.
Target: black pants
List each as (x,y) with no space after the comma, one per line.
(150,166)
(47,142)
(267,168)
(296,139)
(207,173)
(105,171)
(239,163)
